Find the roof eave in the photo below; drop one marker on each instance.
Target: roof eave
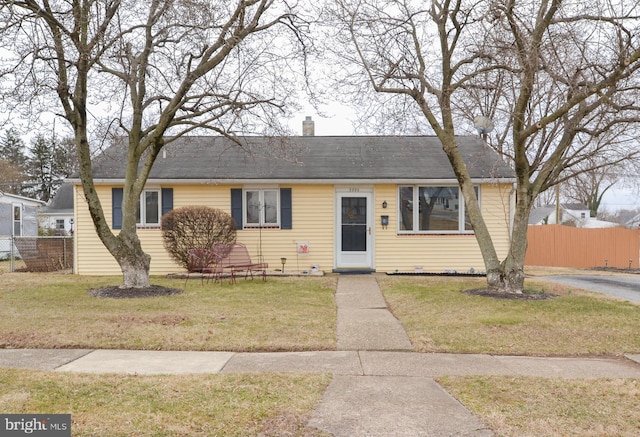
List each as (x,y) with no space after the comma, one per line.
(341,181)
(22,198)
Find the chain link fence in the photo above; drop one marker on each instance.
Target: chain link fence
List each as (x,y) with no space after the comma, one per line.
(37,254)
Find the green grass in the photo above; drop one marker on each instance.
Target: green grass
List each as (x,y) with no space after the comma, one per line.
(438,317)
(55,311)
(212,405)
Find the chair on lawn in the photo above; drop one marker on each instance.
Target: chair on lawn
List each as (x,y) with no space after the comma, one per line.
(202,262)
(238,260)
(219,252)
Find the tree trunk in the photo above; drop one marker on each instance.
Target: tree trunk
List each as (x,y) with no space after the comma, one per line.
(135,270)
(509,276)
(127,251)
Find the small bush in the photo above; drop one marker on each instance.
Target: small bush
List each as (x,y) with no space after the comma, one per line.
(195,227)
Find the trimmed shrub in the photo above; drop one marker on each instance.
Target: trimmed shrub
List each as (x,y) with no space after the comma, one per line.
(195,227)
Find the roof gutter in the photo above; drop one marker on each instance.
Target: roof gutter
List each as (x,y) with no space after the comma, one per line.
(299,181)
(21,198)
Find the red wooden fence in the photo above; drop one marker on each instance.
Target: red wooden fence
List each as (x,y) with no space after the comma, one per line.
(565,246)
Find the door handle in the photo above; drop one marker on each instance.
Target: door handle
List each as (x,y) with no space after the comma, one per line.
(369,230)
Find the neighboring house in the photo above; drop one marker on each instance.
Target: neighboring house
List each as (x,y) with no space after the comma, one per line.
(542,215)
(370,203)
(18,215)
(594,223)
(18,218)
(633,223)
(58,213)
(567,212)
(574,214)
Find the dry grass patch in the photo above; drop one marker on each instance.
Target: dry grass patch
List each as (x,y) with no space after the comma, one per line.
(5,265)
(552,271)
(55,311)
(438,317)
(525,406)
(115,405)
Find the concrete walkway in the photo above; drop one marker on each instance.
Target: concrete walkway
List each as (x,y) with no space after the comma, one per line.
(380,387)
(364,321)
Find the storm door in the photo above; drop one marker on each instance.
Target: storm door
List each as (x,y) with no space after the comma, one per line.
(354,233)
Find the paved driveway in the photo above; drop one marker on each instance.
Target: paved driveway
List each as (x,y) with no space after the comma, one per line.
(626,287)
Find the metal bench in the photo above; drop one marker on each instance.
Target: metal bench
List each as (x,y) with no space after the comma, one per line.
(238,260)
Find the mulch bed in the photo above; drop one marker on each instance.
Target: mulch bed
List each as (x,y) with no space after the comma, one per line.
(128,293)
(497,295)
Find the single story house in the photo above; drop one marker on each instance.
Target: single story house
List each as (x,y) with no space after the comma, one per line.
(334,203)
(58,213)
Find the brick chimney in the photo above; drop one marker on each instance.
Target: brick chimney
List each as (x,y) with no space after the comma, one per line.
(308,127)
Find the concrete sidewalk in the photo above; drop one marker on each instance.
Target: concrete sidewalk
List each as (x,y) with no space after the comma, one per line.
(373,393)
(345,363)
(379,388)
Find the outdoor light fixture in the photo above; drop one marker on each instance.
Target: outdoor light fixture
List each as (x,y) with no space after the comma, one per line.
(283,260)
(384,203)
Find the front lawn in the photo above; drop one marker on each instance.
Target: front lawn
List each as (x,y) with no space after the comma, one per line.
(532,407)
(55,310)
(438,317)
(48,310)
(172,406)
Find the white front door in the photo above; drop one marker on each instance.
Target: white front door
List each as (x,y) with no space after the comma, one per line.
(354,234)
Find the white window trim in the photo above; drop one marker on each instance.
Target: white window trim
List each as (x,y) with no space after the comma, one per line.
(143,207)
(260,224)
(13,220)
(461,212)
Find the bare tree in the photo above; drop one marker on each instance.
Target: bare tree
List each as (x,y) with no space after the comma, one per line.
(149,71)
(558,78)
(590,186)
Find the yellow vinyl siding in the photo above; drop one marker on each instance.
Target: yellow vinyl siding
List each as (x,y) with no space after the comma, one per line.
(313,209)
(313,213)
(496,210)
(91,257)
(313,222)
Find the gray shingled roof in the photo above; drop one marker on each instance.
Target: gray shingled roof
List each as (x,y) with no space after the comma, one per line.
(62,201)
(537,215)
(309,158)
